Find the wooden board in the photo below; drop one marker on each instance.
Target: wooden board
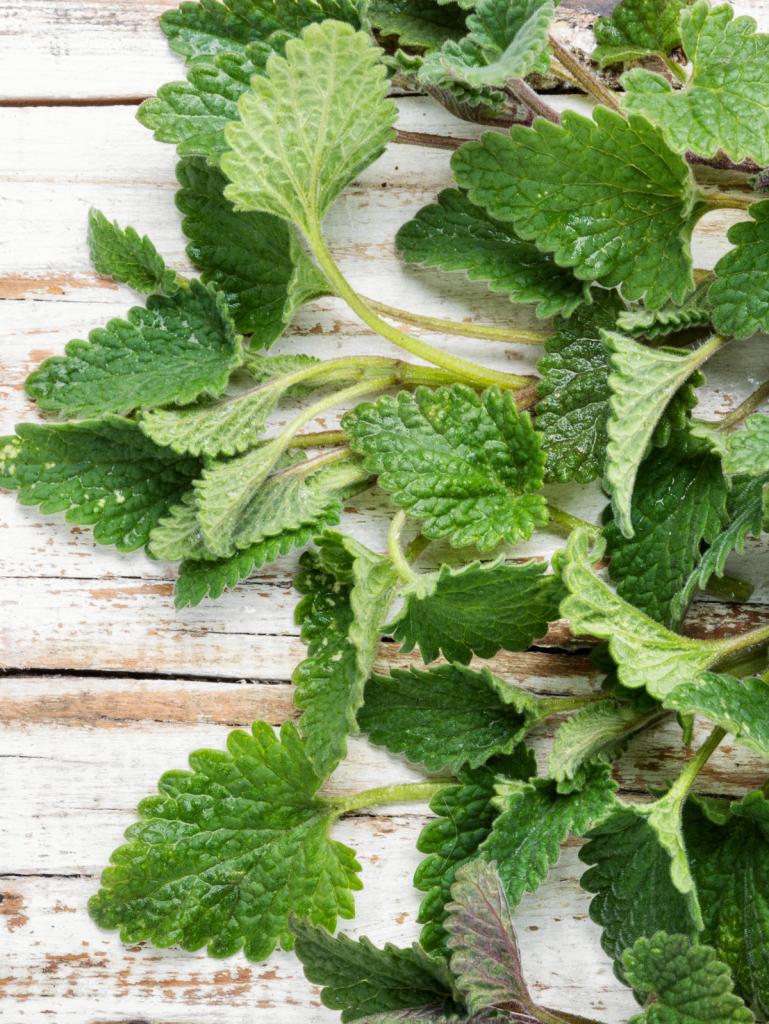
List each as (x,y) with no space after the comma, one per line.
(106,686)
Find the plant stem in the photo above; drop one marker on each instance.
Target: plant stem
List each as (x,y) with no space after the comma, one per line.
(743,642)
(428,141)
(676,70)
(471,372)
(730,588)
(416,547)
(554,705)
(746,408)
(393,542)
(519,90)
(483,331)
(390,794)
(683,783)
(310,465)
(318,439)
(586,79)
(570,522)
(725,200)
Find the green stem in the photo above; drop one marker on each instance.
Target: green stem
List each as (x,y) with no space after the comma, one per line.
(570,522)
(589,83)
(752,402)
(310,465)
(471,372)
(554,705)
(416,547)
(483,331)
(683,783)
(743,642)
(428,141)
(390,794)
(675,69)
(317,440)
(725,200)
(519,90)
(729,588)
(393,543)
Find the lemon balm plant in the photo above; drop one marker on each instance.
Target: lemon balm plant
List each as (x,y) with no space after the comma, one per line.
(590,218)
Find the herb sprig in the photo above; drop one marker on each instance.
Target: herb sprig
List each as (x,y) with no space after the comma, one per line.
(591,219)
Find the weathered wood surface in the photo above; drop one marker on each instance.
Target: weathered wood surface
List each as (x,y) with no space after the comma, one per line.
(143,685)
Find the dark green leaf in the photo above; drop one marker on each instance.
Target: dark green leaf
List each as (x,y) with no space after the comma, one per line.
(608,197)
(123,256)
(696,310)
(638,28)
(252,258)
(477,609)
(103,473)
(172,351)
(466,813)
(453,234)
(741,706)
(740,293)
(466,464)
(447,715)
(228,851)
(418,22)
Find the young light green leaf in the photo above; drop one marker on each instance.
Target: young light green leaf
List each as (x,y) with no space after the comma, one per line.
(690,985)
(466,464)
(453,234)
(594,734)
(239,506)
(507,39)
(484,948)
(740,293)
(638,28)
(418,22)
(178,535)
(103,473)
(741,706)
(252,258)
(608,197)
(747,451)
(730,855)
(465,816)
(477,609)
(361,980)
(745,512)
(646,653)
(630,875)
(696,310)
(574,392)
(644,382)
(724,105)
(447,716)
(228,851)
(268,368)
(679,501)
(525,839)
(311,127)
(204,30)
(172,351)
(123,256)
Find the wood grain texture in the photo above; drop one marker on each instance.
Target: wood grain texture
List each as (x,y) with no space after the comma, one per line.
(116,686)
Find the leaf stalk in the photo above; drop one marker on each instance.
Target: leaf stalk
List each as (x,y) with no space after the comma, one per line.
(570,522)
(483,331)
(389,795)
(586,79)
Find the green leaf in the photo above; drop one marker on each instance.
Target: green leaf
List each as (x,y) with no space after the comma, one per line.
(123,256)
(741,706)
(418,22)
(477,609)
(209,28)
(574,392)
(465,464)
(630,875)
(679,501)
(348,590)
(360,980)
(747,451)
(311,127)
(696,310)
(646,653)
(465,816)
(507,39)
(252,258)
(525,839)
(172,351)
(691,986)
(447,715)
(453,234)
(240,504)
(731,865)
(485,956)
(598,733)
(638,28)
(228,851)
(643,384)
(740,293)
(607,197)
(103,473)
(745,511)
(724,104)
(268,368)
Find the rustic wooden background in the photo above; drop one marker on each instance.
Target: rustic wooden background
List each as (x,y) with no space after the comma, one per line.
(104,686)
